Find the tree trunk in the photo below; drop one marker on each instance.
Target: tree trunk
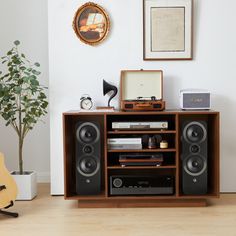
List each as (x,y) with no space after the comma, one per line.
(21,155)
(21,140)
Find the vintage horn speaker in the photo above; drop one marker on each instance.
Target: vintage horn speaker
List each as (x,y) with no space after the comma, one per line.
(108,88)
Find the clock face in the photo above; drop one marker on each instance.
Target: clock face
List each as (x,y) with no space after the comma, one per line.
(86,104)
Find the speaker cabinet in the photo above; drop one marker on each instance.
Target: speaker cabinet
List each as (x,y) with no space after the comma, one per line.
(194,157)
(88,158)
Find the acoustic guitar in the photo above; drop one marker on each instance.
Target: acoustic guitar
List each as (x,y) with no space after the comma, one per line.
(8,188)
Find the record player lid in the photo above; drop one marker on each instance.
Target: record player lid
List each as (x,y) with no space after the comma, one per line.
(141,84)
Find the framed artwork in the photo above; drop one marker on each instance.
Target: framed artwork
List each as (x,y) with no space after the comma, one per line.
(167,29)
(91,23)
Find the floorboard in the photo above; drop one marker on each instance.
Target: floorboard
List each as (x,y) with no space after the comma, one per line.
(47,215)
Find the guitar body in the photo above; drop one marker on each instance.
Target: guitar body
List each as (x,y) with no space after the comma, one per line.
(8,187)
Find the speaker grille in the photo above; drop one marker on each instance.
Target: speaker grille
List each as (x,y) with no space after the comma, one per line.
(194,157)
(88,166)
(88,133)
(194,132)
(88,158)
(194,165)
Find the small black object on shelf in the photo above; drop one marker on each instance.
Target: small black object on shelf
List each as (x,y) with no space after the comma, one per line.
(108,88)
(152,143)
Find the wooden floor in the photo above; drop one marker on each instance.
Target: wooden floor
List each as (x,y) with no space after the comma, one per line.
(54,216)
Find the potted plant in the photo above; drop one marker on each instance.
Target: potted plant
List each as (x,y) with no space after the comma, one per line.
(22,104)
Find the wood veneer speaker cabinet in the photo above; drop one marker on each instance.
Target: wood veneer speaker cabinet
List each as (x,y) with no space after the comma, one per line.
(172,157)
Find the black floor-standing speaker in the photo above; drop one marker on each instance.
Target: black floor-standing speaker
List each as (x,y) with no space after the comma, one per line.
(88,158)
(194,157)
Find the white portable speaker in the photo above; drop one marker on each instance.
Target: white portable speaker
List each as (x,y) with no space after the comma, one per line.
(195,99)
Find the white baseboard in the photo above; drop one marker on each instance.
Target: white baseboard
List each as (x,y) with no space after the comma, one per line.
(43,177)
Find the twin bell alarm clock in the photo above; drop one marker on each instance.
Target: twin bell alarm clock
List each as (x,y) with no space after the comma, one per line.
(86,102)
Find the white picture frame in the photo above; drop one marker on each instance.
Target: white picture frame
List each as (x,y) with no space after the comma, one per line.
(167,29)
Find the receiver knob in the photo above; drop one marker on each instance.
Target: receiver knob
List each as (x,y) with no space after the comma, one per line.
(117,182)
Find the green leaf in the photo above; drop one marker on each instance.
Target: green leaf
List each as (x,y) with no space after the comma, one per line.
(17,42)
(17,61)
(37,64)
(5,116)
(34,82)
(25,79)
(8,123)
(44,105)
(42,96)
(32,77)
(22,67)
(18,90)
(35,72)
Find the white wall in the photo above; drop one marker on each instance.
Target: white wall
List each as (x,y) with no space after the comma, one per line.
(76,68)
(26,20)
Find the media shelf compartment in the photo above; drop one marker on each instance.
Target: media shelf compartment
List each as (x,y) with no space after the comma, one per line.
(138,117)
(147,171)
(142,174)
(169,159)
(170,138)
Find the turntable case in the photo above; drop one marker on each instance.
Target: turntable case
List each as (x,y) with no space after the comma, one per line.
(141,83)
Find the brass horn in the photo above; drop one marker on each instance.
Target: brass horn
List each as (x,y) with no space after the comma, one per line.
(108,88)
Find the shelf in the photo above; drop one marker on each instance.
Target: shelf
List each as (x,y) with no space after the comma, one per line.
(142,132)
(205,196)
(143,150)
(144,197)
(117,167)
(100,196)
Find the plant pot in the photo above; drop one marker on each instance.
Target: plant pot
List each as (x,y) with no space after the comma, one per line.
(27,185)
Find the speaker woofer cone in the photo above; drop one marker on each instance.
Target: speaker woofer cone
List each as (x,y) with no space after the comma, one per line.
(88,133)
(88,166)
(194,132)
(194,165)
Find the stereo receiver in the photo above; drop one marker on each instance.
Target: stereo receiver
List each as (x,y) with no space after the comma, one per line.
(141,185)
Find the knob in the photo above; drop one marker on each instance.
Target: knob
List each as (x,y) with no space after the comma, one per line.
(117,182)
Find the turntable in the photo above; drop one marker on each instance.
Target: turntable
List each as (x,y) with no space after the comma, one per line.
(142,90)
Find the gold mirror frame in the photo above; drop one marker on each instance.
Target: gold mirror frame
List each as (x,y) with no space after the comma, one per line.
(95,32)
